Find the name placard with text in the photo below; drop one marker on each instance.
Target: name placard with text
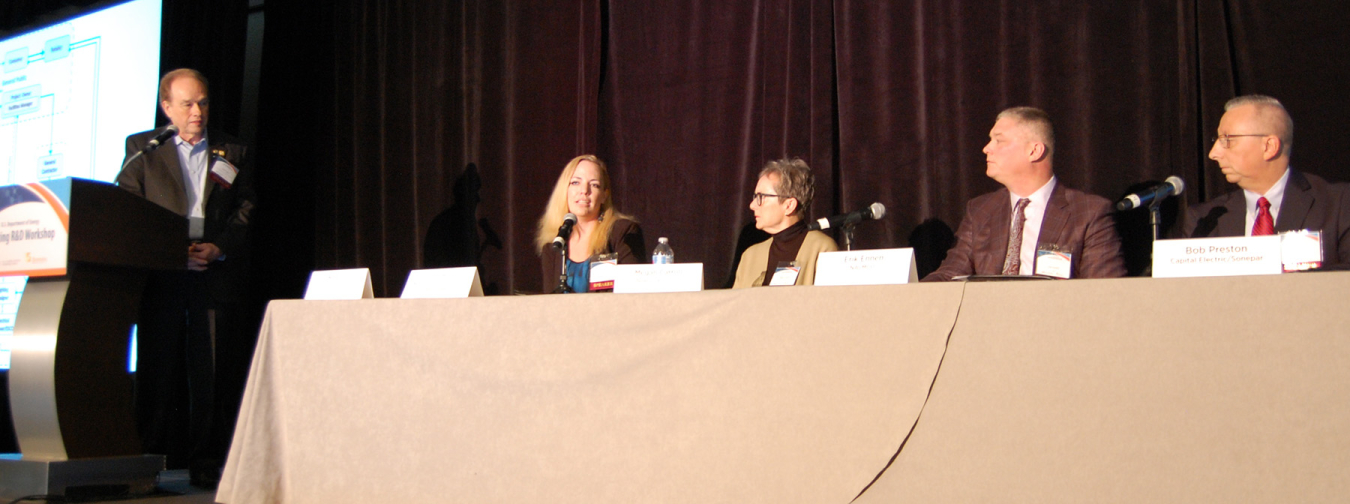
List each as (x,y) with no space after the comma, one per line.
(683,277)
(1200,257)
(866,267)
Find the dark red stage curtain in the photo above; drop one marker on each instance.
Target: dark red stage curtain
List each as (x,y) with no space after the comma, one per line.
(404,134)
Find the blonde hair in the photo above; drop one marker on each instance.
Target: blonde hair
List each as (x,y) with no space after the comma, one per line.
(557,208)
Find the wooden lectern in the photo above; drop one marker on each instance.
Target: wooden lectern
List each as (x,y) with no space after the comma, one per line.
(87,247)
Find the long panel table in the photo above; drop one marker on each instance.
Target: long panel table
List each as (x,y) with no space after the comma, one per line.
(1127,390)
(718,396)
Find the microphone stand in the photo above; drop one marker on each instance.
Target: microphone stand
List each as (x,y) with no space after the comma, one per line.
(847,230)
(1154,221)
(562,287)
(1155,210)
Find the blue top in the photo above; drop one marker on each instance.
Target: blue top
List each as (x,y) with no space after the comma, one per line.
(579,276)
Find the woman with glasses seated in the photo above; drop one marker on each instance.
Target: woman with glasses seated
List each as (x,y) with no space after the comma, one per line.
(781,202)
(583,189)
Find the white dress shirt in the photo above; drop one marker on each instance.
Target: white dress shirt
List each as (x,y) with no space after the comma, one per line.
(1031,229)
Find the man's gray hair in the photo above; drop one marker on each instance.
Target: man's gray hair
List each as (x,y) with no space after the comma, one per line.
(1037,121)
(1284,124)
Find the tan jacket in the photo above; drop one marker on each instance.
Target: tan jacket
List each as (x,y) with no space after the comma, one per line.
(750,272)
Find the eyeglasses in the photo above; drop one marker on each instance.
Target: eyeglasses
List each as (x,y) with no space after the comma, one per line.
(759,197)
(1228,139)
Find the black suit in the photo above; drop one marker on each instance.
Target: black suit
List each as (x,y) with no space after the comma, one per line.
(193,341)
(1310,202)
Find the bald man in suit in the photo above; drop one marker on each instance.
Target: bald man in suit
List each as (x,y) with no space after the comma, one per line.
(1255,137)
(994,240)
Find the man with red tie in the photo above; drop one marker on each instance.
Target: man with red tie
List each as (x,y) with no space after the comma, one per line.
(1252,147)
(1035,224)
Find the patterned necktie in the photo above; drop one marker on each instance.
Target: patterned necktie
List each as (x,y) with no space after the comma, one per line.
(1012,262)
(1264,225)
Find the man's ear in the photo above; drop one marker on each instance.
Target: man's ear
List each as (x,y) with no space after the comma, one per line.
(1271,148)
(1037,152)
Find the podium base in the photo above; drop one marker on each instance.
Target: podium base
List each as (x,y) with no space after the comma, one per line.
(83,478)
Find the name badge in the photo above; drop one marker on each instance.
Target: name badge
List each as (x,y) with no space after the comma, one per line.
(785,274)
(681,277)
(222,171)
(1301,250)
(866,267)
(339,284)
(1199,257)
(1052,261)
(602,272)
(443,283)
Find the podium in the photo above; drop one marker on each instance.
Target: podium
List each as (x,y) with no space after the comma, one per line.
(87,247)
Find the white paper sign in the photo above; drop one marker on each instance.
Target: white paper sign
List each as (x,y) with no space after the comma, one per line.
(682,277)
(443,283)
(339,284)
(866,267)
(1200,257)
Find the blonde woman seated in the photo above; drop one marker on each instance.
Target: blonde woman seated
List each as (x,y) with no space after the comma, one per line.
(583,189)
(781,202)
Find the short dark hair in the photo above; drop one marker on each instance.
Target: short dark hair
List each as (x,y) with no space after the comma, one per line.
(794,181)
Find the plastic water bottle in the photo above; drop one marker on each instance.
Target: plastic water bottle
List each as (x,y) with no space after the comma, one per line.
(663,254)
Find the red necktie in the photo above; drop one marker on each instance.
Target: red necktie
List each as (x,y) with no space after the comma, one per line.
(1012,262)
(1264,225)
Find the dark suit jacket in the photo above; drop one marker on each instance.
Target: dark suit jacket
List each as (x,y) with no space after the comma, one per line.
(1078,222)
(1310,202)
(625,239)
(158,177)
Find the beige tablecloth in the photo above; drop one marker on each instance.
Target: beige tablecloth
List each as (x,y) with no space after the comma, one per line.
(1138,390)
(775,395)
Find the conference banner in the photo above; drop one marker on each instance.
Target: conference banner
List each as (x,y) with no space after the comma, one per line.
(34,228)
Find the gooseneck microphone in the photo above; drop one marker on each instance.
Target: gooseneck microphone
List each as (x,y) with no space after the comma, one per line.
(565,230)
(873,211)
(153,144)
(1170,187)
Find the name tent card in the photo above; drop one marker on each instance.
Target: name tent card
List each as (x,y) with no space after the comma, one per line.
(866,267)
(683,277)
(1201,257)
(443,283)
(339,284)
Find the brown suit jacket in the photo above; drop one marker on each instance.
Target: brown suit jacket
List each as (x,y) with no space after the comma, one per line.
(625,239)
(158,177)
(1310,202)
(1078,222)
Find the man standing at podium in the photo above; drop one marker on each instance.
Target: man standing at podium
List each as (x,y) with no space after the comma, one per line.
(191,326)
